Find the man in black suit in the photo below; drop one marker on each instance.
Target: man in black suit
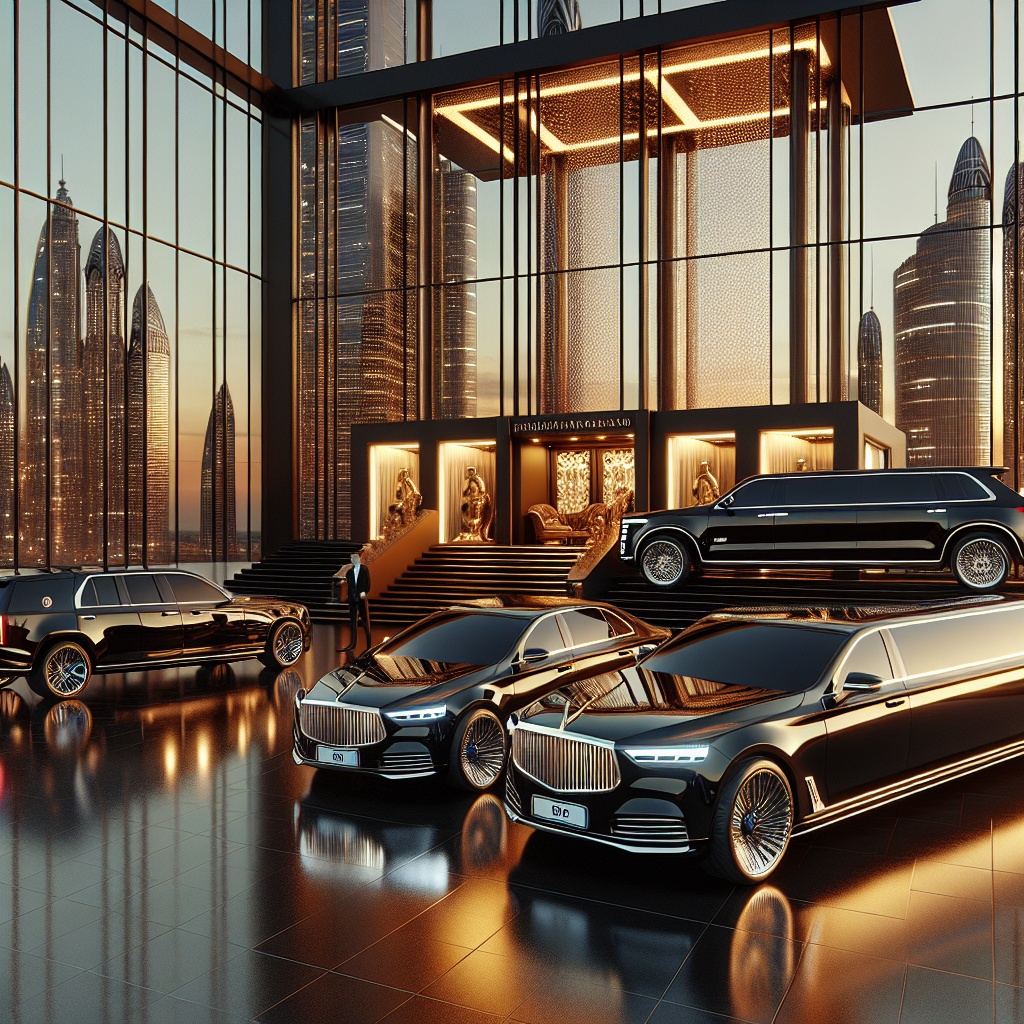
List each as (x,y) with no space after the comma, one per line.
(358,579)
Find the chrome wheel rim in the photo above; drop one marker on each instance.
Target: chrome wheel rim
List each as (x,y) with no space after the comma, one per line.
(981,563)
(482,754)
(288,644)
(663,562)
(67,671)
(759,827)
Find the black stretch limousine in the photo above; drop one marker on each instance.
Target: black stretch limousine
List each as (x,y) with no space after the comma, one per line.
(963,519)
(750,727)
(57,628)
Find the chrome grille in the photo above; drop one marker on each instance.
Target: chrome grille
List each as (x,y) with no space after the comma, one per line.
(649,828)
(563,763)
(407,762)
(340,726)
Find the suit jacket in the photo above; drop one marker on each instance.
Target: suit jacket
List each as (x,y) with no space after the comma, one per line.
(361,586)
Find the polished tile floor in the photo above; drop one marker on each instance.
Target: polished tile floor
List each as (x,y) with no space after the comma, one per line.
(162,859)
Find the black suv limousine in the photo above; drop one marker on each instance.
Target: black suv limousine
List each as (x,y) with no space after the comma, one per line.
(57,627)
(965,519)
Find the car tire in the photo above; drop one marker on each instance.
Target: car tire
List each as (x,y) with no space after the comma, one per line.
(665,562)
(284,645)
(479,749)
(61,670)
(752,823)
(980,562)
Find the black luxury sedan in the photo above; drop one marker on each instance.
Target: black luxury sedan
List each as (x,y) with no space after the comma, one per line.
(57,628)
(963,519)
(750,727)
(435,697)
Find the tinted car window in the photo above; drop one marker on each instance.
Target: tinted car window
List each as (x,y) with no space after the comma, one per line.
(811,490)
(620,627)
(462,639)
(106,590)
(45,594)
(757,492)
(545,636)
(930,647)
(142,589)
(868,655)
(773,657)
(898,489)
(192,588)
(960,487)
(587,626)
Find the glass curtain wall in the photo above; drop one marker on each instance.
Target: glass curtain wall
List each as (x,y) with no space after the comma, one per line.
(130,290)
(760,219)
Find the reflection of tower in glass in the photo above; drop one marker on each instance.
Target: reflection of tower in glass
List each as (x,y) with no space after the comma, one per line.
(455,305)
(149,396)
(1013,308)
(869,362)
(556,17)
(943,365)
(354,362)
(54,393)
(217,536)
(103,401)
(6,466)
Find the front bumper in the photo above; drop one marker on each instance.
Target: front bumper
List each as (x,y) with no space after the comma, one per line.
(628,817)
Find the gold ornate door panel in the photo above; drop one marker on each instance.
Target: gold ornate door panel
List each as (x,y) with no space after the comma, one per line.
(572,481)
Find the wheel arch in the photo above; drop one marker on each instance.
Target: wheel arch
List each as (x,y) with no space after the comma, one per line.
(961,532)
(51,639)
(766,752)
(692,547)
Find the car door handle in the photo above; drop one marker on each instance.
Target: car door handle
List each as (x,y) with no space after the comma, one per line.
(935,510)
(195,612)
(169,613)
(88,616)
(565,667)
(625,654)
(896,702)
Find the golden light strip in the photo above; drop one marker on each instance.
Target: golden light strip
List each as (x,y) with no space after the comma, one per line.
(634,76)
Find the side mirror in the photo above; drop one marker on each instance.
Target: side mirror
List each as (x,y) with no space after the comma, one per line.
(862,682)
(534,654)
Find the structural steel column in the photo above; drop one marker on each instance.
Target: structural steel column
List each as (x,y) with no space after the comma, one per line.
(668,362)
(553,369)
(838,119)
(425,217)
(799,129)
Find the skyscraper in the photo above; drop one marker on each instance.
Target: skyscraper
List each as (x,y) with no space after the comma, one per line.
(103,401)
(6,466)
(149,396)
(869,362)
(218,533)
(1013,308)
(943,331)
(556,17)
(455,304)
(52,485)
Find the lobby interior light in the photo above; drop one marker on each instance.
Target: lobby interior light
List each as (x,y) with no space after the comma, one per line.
(689,121)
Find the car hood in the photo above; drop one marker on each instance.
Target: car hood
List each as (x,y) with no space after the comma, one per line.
(274,605)
(658,725)
(364,685)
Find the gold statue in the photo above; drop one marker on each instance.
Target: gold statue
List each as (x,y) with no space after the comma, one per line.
(705,487)
(406,504)
(477,508)
(801,465)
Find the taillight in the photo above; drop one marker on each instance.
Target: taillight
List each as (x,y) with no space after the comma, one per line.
(1020,510)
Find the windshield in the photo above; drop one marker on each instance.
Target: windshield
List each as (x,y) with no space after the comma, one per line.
(751,654)
(449,645)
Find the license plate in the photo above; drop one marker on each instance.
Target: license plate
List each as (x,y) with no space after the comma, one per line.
(332,755)
(555,810)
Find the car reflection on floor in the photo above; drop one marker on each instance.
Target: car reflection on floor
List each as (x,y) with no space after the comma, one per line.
(160,853)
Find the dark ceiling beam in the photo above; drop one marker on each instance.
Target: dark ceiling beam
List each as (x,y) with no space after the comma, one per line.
(590,45)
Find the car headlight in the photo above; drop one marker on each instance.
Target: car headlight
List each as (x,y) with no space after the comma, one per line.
(667,755)
(418,714)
